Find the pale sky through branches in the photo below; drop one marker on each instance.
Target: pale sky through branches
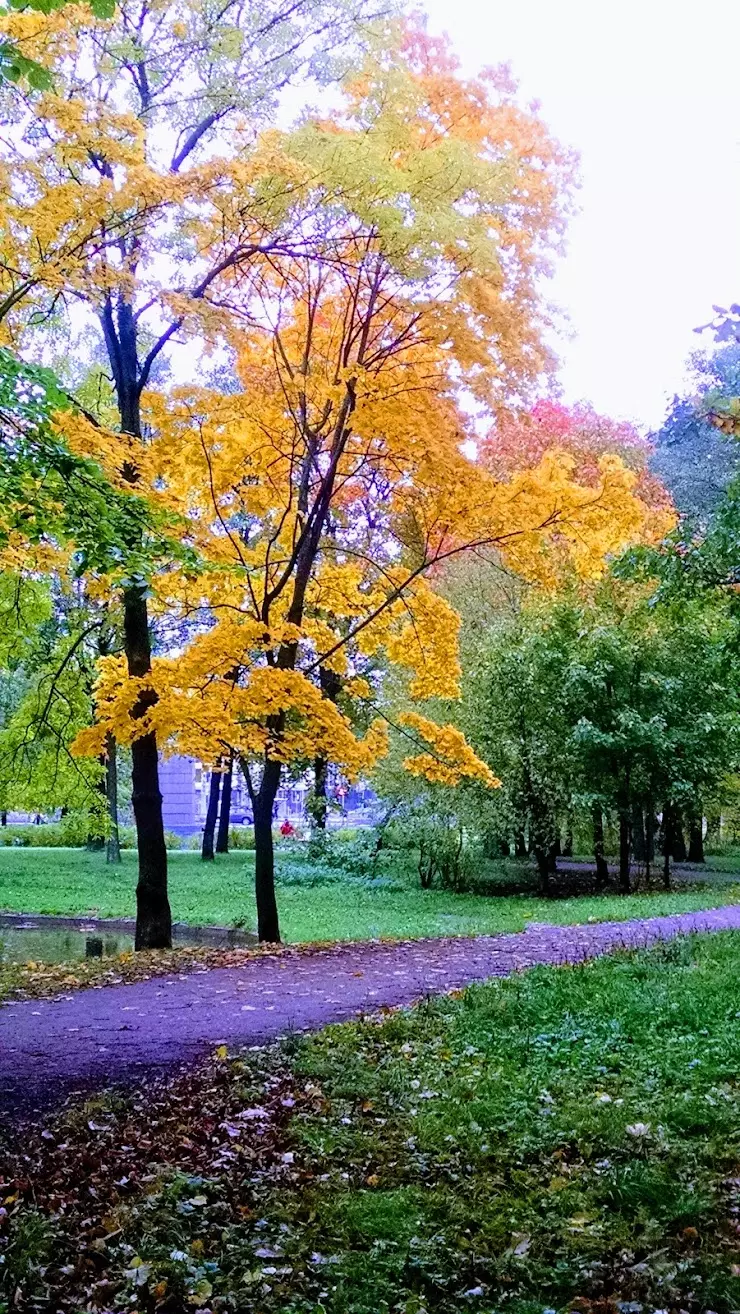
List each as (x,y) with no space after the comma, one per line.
(648,92)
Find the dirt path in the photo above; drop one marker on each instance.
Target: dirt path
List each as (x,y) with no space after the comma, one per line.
(97,1037)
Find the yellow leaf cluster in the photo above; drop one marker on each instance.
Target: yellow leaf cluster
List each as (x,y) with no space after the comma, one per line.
(451,759)
(215,715)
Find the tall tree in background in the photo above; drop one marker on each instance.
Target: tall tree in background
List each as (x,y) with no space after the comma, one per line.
(692,456)
(132,189)
(518,441)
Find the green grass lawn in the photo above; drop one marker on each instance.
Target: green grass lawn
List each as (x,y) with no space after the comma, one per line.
(316,903)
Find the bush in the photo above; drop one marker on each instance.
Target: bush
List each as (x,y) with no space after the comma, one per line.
(348,834)
(241,837)
(398,835)
(127,838)
(70,832)
(354,853)
(16,836)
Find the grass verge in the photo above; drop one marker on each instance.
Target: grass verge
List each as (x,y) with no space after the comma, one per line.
(568,1139)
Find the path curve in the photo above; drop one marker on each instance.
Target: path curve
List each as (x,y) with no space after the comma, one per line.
(105,1035)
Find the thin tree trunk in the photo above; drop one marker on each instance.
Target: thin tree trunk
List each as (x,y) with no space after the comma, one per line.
(624,853)
(696,839)
(153,915)
(263,803)
(713,836)
(224,816)
(320,780)
(209,829)
(331,687)
(678,843)
(668,842)
(95,843)
(3,818)
(650,829)
(113,845)
(639,847)
(544,871)
(602,869)
(567,846)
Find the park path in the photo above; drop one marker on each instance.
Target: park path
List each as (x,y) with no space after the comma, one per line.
(102,1036)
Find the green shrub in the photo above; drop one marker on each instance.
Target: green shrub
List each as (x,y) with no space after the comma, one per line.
(353,851)
(70,832)
(348,834)
(67,834)
(16,836)
(398,835)
(241,837)
(127,838)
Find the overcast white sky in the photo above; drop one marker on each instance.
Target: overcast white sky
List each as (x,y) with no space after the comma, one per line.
(648,92)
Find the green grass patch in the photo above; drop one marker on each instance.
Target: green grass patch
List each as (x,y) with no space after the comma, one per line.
(570,1135)
(316,902)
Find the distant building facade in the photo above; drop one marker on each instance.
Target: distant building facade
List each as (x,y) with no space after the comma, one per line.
(185,785)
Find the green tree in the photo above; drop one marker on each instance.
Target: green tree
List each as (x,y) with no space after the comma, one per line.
(609,704)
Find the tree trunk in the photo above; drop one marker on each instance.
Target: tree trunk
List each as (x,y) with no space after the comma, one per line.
(520,844)
(224,816)
(331,687)
(113,845)
(209,830)
(95,842)
(639,846)
(153,915)
(651,827)
(268,925)
(624,853)
(3,818)
(544,870)
(696,839)
(713,837)
(320,780)
(602,869)
(678,843)
(668,841)
(567,845)
(542,832)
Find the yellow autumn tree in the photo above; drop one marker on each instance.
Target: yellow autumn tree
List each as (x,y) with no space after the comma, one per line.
(137,197)
(323,489)
(360,273)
